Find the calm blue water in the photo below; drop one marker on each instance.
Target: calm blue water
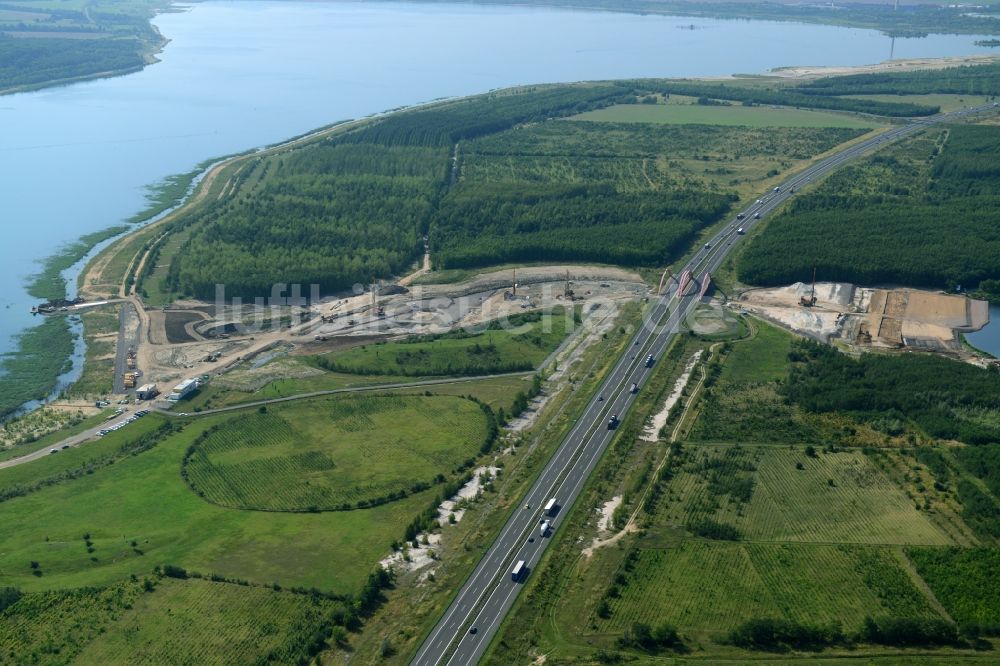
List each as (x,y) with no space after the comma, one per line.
(988,339)
(236,75)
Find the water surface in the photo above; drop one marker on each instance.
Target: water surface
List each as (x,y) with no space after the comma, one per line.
(988,337)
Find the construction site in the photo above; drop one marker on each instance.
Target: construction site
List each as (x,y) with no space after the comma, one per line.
(868,317)
(161,348)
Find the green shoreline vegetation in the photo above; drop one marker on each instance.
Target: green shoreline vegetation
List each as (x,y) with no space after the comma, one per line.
(49,283)
(30,373)
(27,375)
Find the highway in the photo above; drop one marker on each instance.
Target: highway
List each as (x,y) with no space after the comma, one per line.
(472,619)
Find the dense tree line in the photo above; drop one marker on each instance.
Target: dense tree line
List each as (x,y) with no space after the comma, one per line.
(963,80)
(26,62)
(781,635)
(487,114)
(894,220)
(333,216)
(484,225)
(939,395)
(789,97)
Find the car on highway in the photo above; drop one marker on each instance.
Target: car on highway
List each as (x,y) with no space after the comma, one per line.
(53,450)
(740,216)
(708,246)
(613,422)
(473,630)
(756,216)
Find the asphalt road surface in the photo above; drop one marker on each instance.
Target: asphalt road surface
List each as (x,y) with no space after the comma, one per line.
(471,621)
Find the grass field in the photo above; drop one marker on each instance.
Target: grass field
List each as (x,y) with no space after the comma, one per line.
(697,114)
(143,499)
(522,347)
(336,453)
(179,621)
(707,587)
(100,327)
(745,403)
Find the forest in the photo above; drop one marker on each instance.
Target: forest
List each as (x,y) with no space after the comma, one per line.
(488,114)
(963,80)
(923,214)
(942,398)
(488,183)
(558,223)
(109,36)
(614,193)
(26,62)
(791,97)
(354,206)
(334,215)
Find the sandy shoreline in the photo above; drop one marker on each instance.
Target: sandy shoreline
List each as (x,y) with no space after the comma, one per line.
(816,71)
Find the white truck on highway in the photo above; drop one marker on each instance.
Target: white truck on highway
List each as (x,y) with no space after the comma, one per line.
(517,573)
(550,507)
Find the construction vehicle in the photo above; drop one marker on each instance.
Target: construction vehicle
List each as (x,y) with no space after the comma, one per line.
(130,378)
(130,359)
(809,301)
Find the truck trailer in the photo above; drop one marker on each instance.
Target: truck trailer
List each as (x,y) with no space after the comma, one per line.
(517,573)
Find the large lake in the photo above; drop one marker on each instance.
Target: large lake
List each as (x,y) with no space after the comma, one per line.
(236,75)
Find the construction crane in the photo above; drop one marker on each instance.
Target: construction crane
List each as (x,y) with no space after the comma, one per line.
(378,309)
(567,292)
(811,300)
